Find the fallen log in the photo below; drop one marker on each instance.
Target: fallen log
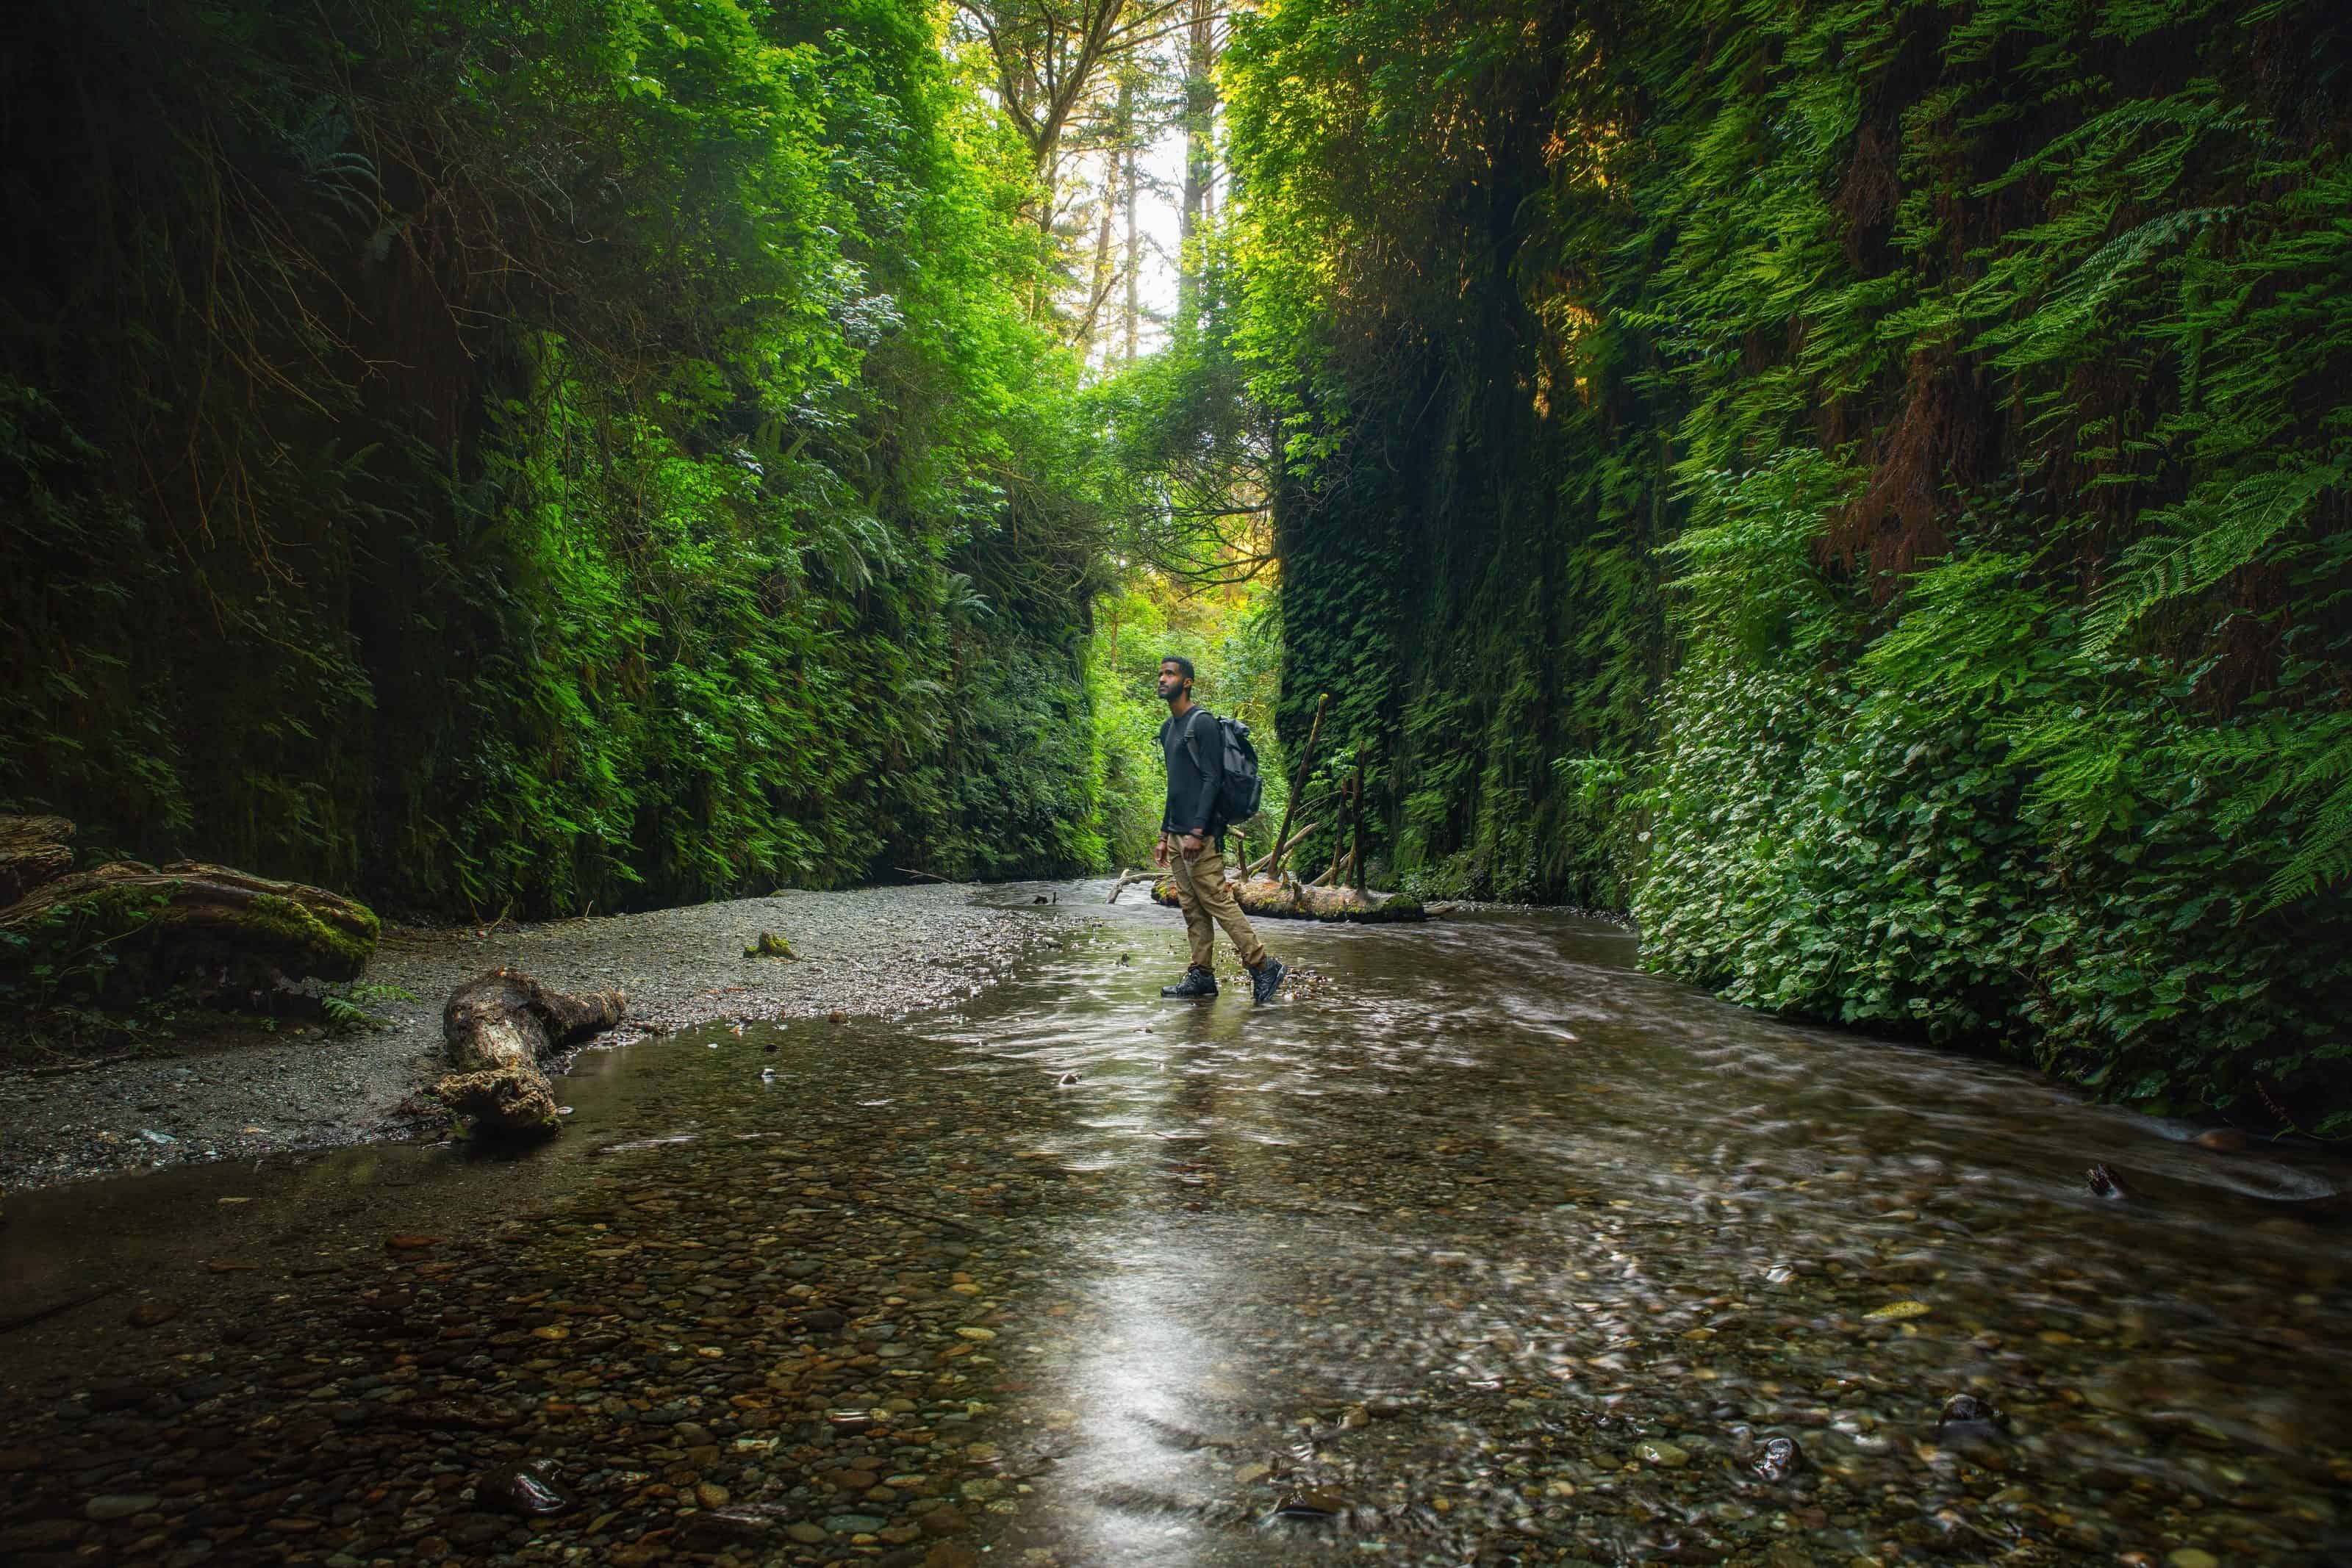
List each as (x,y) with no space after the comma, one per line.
(220,935)
(32,851)
(496,1031)
(1265,898)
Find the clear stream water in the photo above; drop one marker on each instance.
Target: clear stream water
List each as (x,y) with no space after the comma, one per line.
(1481,1246)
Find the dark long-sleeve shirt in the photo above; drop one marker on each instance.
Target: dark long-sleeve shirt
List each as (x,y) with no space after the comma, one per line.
(1195,773)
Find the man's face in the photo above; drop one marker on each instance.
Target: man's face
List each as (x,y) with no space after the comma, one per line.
(1172,681)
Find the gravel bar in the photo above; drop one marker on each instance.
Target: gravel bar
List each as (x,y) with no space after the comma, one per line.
(881,950)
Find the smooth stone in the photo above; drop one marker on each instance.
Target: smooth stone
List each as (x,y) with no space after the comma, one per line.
(120,1505)
(524,1494)
(2192,1557)
(855,1524)
(1665,1454)
(1780,1459)
(807,1535)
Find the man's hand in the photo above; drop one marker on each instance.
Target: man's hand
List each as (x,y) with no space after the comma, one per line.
(1193,845)
(1159,851)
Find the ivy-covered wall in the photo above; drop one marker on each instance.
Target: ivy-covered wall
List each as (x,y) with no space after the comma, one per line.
(1864,487)
(528,456)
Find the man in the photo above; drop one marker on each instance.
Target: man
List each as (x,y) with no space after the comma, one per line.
(1195,752)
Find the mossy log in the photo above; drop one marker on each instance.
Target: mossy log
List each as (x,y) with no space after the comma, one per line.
(497,1030)
(219,934)
(1265,898)
(32,851)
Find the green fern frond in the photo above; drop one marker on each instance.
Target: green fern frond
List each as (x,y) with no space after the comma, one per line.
(2223,527)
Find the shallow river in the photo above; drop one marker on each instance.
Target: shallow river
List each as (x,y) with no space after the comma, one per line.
(1481,1246)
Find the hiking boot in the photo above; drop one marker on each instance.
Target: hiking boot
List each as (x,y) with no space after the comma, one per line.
(1267,979)
(1196,982)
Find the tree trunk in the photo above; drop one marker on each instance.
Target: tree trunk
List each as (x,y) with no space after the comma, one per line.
(1131,316)
(496,1030)
(1356,858)
(1200,156)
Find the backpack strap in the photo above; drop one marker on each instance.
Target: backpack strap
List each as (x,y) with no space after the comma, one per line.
(1192,731)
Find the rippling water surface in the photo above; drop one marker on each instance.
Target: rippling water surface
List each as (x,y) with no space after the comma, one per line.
(1481,1246)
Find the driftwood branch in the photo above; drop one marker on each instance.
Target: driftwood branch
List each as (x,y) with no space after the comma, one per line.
(1266,862)
(1126,879)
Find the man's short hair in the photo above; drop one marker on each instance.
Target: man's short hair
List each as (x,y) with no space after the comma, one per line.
(1183,665)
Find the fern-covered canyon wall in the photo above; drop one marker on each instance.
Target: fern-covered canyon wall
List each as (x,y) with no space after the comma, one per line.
(532,456)
(1863,488)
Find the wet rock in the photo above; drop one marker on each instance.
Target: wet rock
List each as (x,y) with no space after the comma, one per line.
(1310,1502)
(855,1524)
(147,1314)
(947,1555)
(1898,1311)
(745,1525)
(120,1505)
(2103,1183)
(523,1492)
(120,1395)
(1967,1410)
(39,1535)
(1667,1455)
(1780,1459)
(2191,1557)
(941,1521)
(2221,1140)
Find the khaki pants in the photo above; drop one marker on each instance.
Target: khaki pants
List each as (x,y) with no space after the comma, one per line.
(1205,897)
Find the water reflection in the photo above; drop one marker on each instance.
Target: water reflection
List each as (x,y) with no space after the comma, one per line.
(1586,1241)
(1486,1248)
